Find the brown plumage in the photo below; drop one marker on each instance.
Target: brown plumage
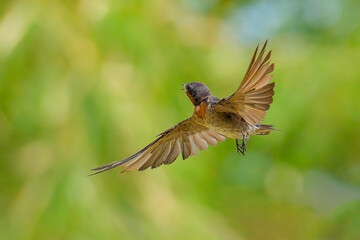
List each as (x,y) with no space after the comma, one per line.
(239,116)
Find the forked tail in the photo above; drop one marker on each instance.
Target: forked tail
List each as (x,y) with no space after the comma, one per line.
(265,129)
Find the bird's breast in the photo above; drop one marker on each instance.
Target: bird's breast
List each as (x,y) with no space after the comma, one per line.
(200,112)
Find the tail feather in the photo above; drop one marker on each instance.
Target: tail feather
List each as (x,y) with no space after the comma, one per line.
(265,129)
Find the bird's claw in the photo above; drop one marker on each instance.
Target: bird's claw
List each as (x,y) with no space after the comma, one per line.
(241,148)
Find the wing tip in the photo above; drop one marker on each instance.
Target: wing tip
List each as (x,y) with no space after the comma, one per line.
(264,47)
(105,168)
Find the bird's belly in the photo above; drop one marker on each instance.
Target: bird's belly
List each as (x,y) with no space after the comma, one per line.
(230,125)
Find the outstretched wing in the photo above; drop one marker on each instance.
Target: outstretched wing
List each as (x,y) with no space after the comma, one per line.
(186,137)
(253,97)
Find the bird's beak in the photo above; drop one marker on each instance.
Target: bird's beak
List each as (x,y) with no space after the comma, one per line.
(183,86)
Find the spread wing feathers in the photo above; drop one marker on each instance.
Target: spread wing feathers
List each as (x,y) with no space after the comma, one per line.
(254,95)
(186,138)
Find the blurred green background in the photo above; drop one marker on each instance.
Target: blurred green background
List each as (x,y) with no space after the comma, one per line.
(87,82)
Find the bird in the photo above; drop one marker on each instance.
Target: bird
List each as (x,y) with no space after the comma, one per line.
(238,117)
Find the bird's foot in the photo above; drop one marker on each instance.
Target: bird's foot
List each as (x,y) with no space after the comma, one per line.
(241,148)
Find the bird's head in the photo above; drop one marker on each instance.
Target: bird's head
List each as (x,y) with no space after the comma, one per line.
(197,92)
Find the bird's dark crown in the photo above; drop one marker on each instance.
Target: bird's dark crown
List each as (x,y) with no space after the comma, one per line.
(197,92)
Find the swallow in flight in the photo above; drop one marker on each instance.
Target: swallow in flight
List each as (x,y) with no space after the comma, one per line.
(238,116)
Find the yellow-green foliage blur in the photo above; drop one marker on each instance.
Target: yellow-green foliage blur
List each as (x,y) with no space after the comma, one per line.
(87,82)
